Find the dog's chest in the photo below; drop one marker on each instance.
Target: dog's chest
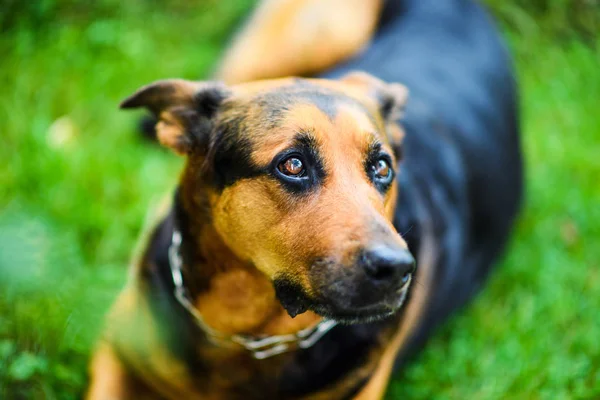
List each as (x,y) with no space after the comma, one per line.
(334,368)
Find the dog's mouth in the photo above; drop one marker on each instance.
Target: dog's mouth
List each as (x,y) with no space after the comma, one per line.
(296,301)
(371,313)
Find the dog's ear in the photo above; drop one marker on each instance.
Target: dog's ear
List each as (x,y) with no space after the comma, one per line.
(184,111)
(390,99)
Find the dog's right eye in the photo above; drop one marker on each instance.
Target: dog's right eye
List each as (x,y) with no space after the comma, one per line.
(298,170)
(292,167)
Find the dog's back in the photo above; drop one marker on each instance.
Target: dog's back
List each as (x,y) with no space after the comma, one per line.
(461,177)
(462,169)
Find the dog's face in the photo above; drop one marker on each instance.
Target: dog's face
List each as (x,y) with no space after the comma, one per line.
(299,179)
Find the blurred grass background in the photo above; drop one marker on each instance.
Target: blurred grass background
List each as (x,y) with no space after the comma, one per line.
(76,183)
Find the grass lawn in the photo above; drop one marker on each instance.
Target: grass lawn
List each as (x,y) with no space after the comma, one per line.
(76,183)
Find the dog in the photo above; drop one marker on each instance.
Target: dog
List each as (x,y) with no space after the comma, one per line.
(322,226)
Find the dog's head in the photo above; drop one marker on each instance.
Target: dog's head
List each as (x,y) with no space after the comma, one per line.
(298,177)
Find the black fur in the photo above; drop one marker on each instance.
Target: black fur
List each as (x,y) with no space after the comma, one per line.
(291,296)
(232,162)
(177,329)
(461,176)
(229,155)
(147,127)
(332,358)
(209,100)
(200,120)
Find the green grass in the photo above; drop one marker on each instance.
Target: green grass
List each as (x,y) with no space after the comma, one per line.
(76,183)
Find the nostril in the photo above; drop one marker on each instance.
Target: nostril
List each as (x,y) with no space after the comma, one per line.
(379,272)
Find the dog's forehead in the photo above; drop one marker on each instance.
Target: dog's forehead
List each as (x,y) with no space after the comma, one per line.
(271,118)
(326,100)
(270,100)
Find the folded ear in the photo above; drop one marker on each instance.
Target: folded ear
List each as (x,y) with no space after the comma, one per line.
(390,99)
(184,110)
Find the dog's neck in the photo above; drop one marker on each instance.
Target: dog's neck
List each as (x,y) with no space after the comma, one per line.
(232,295)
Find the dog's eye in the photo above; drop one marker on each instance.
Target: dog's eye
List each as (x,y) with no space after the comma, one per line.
(381,173)
(292,166)
(382,169)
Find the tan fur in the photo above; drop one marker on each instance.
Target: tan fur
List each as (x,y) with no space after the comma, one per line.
(288,231)
(111,380)
(169,132)
(242,299)
(299,37)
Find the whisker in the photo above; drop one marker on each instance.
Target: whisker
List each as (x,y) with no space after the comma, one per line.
(416,282)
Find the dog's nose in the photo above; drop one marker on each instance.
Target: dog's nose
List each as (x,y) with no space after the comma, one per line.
(388,265)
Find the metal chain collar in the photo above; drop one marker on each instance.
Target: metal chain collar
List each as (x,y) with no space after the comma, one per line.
(260,347)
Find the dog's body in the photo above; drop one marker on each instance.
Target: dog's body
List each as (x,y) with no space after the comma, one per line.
(462,154)
(456,196)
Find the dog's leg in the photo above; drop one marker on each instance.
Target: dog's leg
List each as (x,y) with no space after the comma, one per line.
(109,377)
(375,388)
(299,37)
(110,380)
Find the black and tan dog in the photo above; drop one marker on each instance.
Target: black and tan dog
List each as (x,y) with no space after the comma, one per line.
(285,267)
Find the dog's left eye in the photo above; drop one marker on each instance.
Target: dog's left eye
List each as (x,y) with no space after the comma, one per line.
(292,166)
